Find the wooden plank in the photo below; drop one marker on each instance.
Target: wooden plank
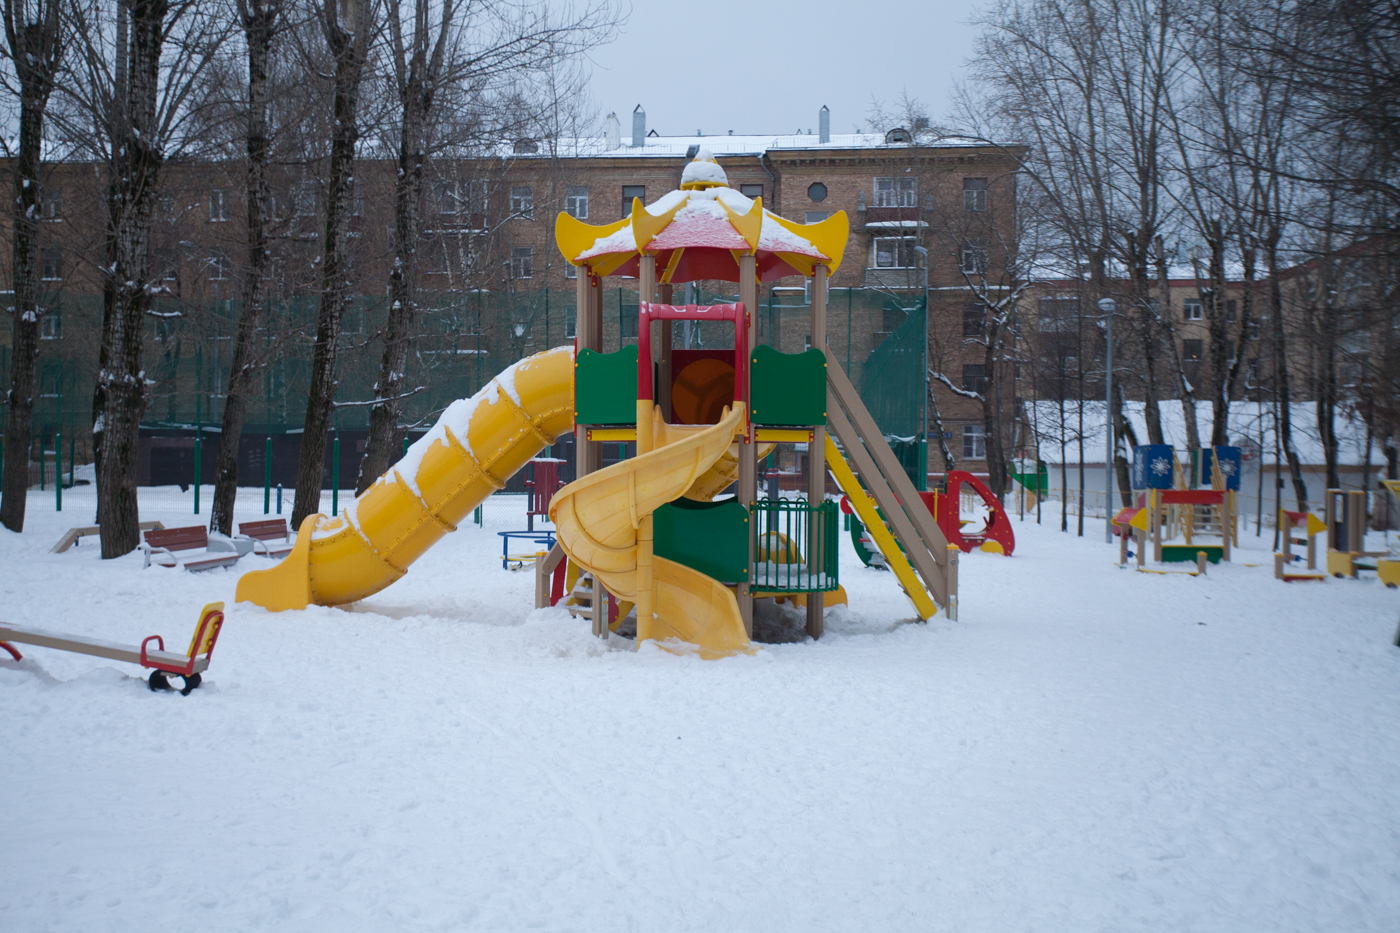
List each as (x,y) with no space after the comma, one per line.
(94,647)
(923,521)
(895,516)
(71,537)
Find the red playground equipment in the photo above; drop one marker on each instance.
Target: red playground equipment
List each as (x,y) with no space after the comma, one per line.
(995,537)
(541,484)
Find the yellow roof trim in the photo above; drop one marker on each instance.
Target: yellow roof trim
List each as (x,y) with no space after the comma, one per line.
(828,236)
(574,237)
(748,225)
(646,226)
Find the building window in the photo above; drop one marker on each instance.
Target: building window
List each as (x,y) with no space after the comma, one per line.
(570,271)
(816,217)
(522,201)
(896,192)
(353,320)
(974,257)
(51,207)
(308,197)
(1191,309)
(570,322)
(816,191)
(1252,371)
(51,326)
(218,266)
(975,378)
(628,193)
(627,322)
(1057,314)
(1191,351)
(751,191)
(893,252)
(1231,308)
(52,269)
(445,195)
(522,262)
(974,194)
(1251,332)
(972,320)
(897,135)
(218,206)
(974,438)
(478,197)
(576,202)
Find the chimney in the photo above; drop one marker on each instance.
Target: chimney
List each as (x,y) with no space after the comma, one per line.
(639,127)
(824,122)
(612,132)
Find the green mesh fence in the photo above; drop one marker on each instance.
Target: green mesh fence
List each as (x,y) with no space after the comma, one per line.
(462,339)
(892,388)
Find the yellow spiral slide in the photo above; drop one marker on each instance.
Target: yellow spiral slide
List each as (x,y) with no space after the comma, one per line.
(603,520)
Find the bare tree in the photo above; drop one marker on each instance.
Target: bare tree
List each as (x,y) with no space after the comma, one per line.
(140,80)
(260,20)
(34,46)
(347,28)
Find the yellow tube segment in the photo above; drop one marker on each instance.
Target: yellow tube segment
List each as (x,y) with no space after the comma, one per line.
(476,446)
(865,509)
(601,519)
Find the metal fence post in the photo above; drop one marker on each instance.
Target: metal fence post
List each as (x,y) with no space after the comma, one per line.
(335,476)
(58,471)
(267,477)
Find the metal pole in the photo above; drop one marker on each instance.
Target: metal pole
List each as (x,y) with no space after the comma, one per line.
(923,430)
(1108,306)
(267,472)
(198,418)
(335,476)
(58,471)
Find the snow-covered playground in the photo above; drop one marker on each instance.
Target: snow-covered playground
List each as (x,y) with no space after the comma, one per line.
(1087,748)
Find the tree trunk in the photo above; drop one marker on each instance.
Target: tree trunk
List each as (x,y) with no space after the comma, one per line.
(936,418)
(348,42)
(1184,385)
(34,51)
(403,277)
(260,21)
(991,410)
(134,171)
(1285,401)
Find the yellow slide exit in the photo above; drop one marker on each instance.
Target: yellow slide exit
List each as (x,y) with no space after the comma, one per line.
(603,522)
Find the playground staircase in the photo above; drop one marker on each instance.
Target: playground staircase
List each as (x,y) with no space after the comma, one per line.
(922,561)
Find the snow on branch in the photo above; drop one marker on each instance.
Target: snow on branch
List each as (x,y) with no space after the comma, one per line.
(965,393)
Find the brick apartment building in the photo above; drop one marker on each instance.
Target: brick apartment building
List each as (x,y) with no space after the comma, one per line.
(493,285)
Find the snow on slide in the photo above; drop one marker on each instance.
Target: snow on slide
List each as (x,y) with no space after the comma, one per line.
(474,448)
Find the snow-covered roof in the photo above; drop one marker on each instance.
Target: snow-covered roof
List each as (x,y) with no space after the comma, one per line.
(673,147)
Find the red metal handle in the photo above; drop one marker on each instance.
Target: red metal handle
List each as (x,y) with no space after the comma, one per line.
(160,646)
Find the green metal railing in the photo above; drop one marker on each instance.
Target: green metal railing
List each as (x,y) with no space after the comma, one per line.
(795,546)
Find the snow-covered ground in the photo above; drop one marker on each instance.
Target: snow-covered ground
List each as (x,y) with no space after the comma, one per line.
(1088,748)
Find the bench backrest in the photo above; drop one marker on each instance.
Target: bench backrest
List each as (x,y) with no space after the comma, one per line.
(264,530)
(179,539)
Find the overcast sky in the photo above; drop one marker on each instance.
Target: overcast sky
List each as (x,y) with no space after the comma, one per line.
(764,66)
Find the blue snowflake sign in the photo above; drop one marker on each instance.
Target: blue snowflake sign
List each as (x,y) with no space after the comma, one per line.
(1152,466)
(1230,462)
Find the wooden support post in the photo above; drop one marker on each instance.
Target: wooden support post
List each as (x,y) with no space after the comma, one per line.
(1123,536)
(1141,537)
(1201,561)
(1312,547)
(748,451)
(816,459)
(588,326)
(950,579)
(1279,561)
(1155,517)
(1227,523)
(663,366)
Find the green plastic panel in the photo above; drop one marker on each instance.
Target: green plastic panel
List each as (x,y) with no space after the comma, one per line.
(605,387)
(1186,553)
(711,537)
(788,389)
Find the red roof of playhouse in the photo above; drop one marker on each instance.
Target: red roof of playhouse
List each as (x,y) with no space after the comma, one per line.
(699,232)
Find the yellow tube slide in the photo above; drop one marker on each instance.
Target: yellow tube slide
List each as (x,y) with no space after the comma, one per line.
(598,518)
(476,446)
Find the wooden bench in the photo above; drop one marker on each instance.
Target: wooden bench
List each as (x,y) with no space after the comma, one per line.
(219,552)
(264,533)
(188,666)
(75,535)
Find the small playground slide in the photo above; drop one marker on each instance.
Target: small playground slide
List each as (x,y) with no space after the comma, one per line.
(476,446)
(599,518)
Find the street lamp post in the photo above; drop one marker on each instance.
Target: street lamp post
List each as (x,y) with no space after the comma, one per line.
(1108,306)
(923,432)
